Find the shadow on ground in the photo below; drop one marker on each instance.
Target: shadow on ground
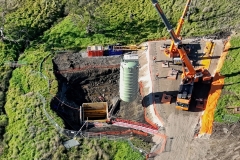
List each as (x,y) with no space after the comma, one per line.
(200,90)
(231,74)
(157,96)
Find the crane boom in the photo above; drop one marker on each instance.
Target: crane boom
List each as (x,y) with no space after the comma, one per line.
(177,42)
(185,91)
(180,24)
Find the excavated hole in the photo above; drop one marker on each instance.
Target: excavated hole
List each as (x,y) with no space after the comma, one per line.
(97,81)
(101,85)
(87,80)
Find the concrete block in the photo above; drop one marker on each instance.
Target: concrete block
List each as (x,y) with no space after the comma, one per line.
(165,64)
(172,74)
(166,99)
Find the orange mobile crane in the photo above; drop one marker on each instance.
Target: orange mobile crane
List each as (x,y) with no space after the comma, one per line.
(190,76)
(172,51)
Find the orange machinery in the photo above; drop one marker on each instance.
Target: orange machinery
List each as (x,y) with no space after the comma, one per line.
(190,75)
(172,51)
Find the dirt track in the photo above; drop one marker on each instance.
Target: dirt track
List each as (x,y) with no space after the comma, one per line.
(225,142)
(181,126)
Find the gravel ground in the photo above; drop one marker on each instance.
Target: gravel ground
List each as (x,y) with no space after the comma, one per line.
(180,126)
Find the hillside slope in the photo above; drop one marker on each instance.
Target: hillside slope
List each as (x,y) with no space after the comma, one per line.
(32,29)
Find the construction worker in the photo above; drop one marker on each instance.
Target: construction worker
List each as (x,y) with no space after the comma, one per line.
(157,76)
(154,59)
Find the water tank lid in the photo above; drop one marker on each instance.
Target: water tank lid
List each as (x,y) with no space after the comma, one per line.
(99,48)
(177,59)
(133,57)
(95,48)
(89,48)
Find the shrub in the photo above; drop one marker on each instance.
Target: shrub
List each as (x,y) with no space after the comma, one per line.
(3,120)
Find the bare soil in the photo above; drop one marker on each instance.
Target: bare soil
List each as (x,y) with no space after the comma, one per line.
(86,80)
(225,142)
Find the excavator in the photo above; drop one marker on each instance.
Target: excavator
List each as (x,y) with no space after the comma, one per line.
(190,75)
(172,51)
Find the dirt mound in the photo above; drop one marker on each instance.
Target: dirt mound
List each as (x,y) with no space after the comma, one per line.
(93,86)
(224,142)
(220,35)
(225,130)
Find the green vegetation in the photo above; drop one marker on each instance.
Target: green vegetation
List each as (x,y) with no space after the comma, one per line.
(29,133)
(3,120)
(32,29)
(230,96)
(141,144)
(136,21)
(104,149)
(32,19)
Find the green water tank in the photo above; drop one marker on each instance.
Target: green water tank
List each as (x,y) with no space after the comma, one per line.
(128,85)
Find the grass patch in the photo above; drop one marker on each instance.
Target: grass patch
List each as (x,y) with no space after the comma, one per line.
(103,149)
(142,144)
(112,22)
(230,96)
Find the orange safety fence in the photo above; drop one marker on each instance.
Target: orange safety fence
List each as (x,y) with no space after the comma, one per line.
(156,112)
(129,131)
(164,137)
(214,94)
(163,144)
(158,150)
(145,111)
(85,68)
(134,123)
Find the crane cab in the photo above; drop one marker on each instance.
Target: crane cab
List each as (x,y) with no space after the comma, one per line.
(184,96)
